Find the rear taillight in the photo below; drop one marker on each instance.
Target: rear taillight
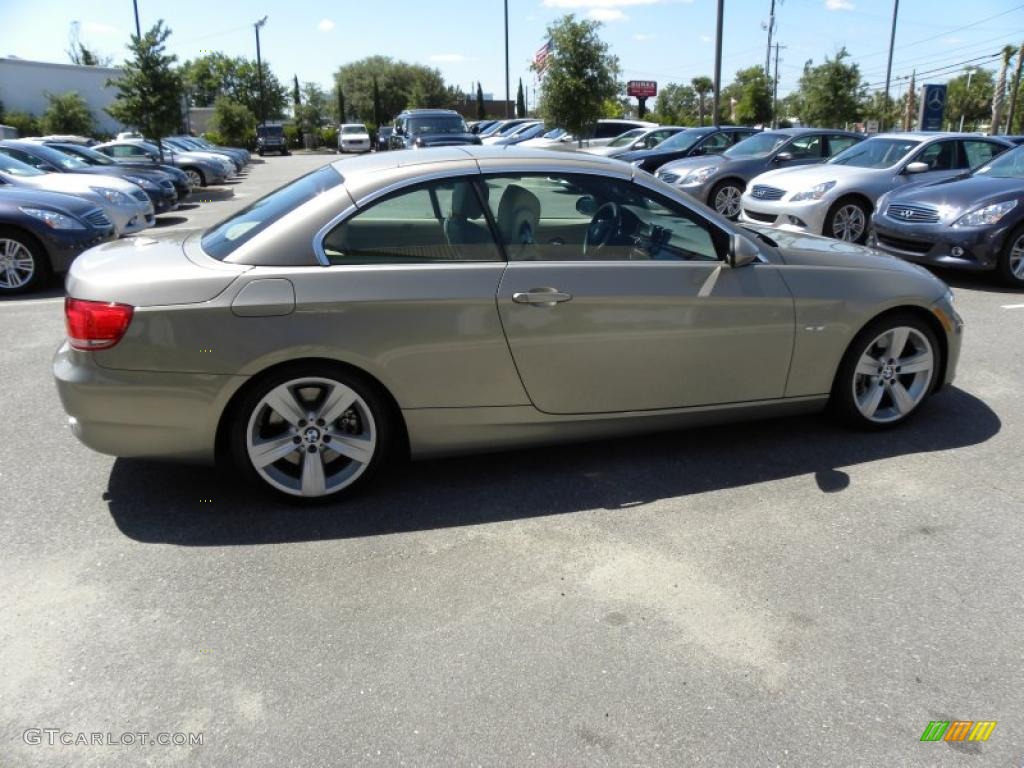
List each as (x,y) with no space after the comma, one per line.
(93,325)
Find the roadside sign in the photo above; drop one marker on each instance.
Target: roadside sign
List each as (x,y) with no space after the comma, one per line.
(642,89)
(933,106)
(871,126)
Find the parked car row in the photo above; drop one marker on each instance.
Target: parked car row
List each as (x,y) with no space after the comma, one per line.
(60,195)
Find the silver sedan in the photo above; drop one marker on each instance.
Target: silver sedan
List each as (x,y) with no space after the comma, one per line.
(477,299)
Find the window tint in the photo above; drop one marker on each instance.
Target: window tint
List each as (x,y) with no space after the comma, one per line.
(715,144)
(610,130)
(980,152)
(594,218)
(940,156)
(738,136)
(837,144)
(23,157)
(804,147)
(223,239)
(440,221)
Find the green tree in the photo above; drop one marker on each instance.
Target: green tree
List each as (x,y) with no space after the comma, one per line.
(676,104)
(702,85)
(1015,90)
(339,98)
(832,93)
(81,54)
(399,85)
(876,108)
(150,91)
(972,102)
(315,109)
(752,93)
(481,113)
(67,113)
(215,74)
(999,97)
(377,111)
(235,122)
(579,78)
(520,100)
(24,123)
(296,96)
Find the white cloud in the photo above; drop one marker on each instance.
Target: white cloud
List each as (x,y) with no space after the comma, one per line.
(952,40)
(643,37)
(839,5)
(325,25)
(705,38)
(97,28)
(606,14)
(597,3)
(447,58)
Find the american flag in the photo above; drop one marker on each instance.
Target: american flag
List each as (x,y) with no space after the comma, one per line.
(540,59)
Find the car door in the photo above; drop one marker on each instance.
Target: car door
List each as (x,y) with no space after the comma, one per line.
(714,144)
(839,142)
(408,291)
(653,319)
(806,149)
(976,152)
(943,159)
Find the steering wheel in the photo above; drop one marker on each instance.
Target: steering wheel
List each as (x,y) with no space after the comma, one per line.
(606,223)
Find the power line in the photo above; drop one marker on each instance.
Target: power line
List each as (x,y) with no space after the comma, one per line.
(904,46)
(941,70)
(932,57)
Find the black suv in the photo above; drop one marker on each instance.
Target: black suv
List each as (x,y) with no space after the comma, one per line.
(417,128)
(270,138)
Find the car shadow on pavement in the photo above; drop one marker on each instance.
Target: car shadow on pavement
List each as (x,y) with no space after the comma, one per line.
(198,506)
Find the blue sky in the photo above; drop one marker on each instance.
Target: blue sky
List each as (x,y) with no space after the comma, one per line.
(663,40)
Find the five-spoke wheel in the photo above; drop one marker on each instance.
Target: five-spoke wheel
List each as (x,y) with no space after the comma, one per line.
(22,262)
(848,220)
(725,198)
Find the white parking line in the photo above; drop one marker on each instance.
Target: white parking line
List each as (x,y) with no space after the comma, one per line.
(1013,306)
(30,302)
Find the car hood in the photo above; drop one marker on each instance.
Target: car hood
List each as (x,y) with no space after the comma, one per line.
(193,157)
(73,204)
(701,161)
(806,176)
(150,270)
(953,197)
(77,184)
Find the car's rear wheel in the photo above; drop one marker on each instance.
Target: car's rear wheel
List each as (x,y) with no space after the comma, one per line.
(725,198)
(195,177)
(312,432)
(888,371)
(23,262)
(848,220)
(1010,267)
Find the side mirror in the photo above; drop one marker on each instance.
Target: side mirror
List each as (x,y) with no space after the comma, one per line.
(917,167)
(586,205)
(742,251)
(783,157)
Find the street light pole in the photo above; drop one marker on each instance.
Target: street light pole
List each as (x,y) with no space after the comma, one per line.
(892,43)
(259,71)
(138,29)
(967,100)
(718,64)
(508,92)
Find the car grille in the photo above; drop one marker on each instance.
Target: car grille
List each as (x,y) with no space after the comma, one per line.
(901,244)
(97,218)
(761,192)
(918,214)
(140,195)
(767,218)
(668,178)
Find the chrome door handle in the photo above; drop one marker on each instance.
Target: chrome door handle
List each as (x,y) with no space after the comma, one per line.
(545,297)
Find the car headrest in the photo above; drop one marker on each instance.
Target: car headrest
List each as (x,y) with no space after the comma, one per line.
(465,203)
(518,215)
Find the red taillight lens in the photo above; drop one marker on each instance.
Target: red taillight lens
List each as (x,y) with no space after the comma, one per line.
(95,325)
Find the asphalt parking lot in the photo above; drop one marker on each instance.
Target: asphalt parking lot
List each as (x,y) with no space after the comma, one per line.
(783,593)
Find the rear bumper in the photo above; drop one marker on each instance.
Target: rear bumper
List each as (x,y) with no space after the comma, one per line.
(142,413)
(971,248)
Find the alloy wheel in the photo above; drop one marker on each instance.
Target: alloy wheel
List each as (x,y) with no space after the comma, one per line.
(17,265)
(311,437)
(1017,258)
(727,201)
(849,223)
(195,179)
(893,374)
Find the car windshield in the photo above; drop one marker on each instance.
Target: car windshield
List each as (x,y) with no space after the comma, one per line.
(350,129)
(63,159)
(875,153)
(554,133)
(15,167)
(682,140)
(627,138)
(759,145)
(92,156)
(269,130)
(222,239)
(439,124)
(1006,166)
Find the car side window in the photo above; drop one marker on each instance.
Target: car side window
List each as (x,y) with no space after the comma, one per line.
(980,152)
(837,144)
(610,130)
(940,156)
(715,144)
(804,147)
(440,221)
(24,157)
(579,217)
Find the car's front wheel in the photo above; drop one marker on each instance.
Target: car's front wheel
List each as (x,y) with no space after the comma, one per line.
(725,199)
(312,432)
(848,220)
(888,371)
(195,177)
(1010,267)
(23,262)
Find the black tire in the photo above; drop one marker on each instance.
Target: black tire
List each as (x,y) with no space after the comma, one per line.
(41,269)
(1004,268)
(199,172)
(384,417)
(259,152)
(845,204)
(843,400)
(719,188)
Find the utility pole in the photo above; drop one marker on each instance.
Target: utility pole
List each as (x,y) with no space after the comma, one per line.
(775,89)
(967,100)
(768,53)
(508,91)
(892,43)
(259,71)
(718,63)
(138,29)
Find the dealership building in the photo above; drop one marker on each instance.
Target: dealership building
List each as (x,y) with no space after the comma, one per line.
(24,85)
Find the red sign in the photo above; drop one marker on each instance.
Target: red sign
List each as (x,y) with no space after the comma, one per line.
(642,89)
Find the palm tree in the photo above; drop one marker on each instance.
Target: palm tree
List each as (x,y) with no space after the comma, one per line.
(1014,89)
(999,97)
(703,86)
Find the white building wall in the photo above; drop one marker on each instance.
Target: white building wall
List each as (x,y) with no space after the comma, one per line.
(24,85)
